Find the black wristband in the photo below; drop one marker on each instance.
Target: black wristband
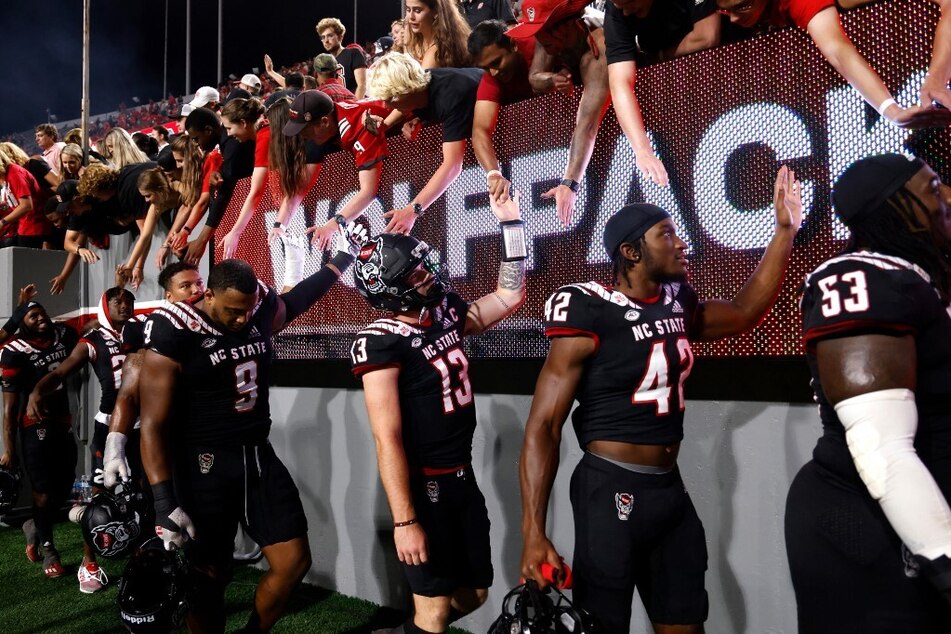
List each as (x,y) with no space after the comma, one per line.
(406,523)
(570,184)
(163,496)
(187,229)
(418,209)
(278,225)
(341,220)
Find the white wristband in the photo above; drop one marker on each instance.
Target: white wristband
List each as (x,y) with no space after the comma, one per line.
(885,105)
(491,173)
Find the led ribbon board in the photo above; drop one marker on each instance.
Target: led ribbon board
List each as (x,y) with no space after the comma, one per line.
(722,121)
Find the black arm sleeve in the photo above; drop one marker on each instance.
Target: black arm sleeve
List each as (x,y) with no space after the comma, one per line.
(218,206)
(300,298)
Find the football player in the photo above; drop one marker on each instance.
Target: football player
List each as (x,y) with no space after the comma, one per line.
(422,413)
(105,350)
(623,352)
(867,519)
(205,425)
(49,448)
(181,282)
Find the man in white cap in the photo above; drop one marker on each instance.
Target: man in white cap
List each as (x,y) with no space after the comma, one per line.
(205,97)
(251,83)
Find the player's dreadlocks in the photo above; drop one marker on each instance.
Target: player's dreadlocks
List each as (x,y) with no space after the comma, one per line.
(894,229)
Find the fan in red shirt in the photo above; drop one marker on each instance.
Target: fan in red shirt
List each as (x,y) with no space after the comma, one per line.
(317,118)
(820,18)
(23,196)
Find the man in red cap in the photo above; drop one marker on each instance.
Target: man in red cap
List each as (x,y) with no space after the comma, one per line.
(317,118)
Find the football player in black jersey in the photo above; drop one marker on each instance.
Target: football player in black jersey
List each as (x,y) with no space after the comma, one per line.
(422,413)
(205,425)
(181,281)
(9,329)
(49,449)
(868,526)
(105,350)
(623,352)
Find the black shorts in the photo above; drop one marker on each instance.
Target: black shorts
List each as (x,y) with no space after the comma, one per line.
(97,448)
(451,509)
(221,486)
(49,456)
(849,568)
(636,530)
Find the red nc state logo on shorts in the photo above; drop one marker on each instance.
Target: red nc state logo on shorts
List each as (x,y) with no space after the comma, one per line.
(625,504)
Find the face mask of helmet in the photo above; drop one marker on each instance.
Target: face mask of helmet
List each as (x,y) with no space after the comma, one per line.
(384,274)
(529,610)
(152,591)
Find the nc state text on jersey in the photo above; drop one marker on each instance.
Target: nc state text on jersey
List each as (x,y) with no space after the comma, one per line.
(240,352)
(443,343)
(664,326)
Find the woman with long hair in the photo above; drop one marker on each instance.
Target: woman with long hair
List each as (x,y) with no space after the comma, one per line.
(120,150)
(243,120)
(436,34)
(71,162)
(262,135)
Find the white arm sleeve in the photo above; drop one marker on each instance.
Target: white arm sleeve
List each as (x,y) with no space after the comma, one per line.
(880,430)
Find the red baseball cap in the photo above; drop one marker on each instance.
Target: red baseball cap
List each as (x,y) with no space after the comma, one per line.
(536,14)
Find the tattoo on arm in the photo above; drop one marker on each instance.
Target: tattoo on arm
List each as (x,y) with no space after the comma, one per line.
(512,275)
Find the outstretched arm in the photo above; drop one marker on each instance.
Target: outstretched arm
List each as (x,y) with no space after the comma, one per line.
(484,118)
(509,295)
(402,220)
(718,318)
(258,181)
(935,87)
(826,31)
(369,185)
(621,77)
(538,464)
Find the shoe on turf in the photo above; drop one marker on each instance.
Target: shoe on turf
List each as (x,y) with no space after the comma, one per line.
(92,578)
(52,567)
(32,541)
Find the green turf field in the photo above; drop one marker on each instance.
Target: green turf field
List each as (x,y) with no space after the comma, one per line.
(29,602)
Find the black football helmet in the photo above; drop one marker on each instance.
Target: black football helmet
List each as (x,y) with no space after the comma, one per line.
(153,589)
(383,267)
(526,609)
(112,523)
(9,489)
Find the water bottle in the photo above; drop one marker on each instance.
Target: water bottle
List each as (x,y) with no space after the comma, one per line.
(86,489)
(78,491)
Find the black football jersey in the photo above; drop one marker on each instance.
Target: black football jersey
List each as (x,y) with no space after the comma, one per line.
(864,292)
(133,333)
(632,389)
(23,362)
(107,352)
(436,400)
(222,395)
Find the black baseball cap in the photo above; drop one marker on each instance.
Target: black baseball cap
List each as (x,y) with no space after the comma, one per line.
(630,223)
(867,183)
(308,106)
(65,192)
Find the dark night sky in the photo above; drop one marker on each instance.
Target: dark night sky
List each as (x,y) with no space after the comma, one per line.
(42,47)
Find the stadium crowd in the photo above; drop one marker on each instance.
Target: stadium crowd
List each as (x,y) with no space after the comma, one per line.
(455,64)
